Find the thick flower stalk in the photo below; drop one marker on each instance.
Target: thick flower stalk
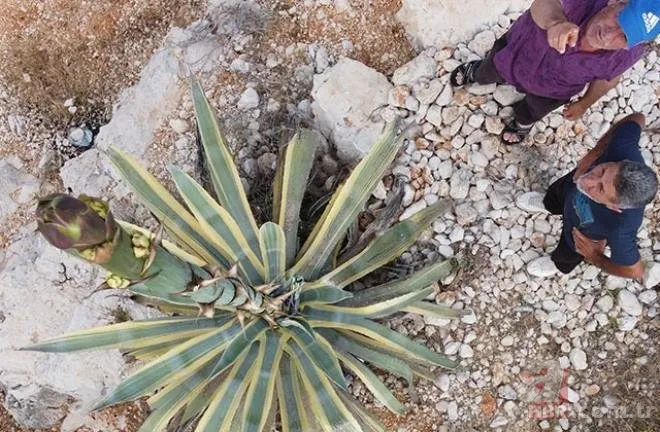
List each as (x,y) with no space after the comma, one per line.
(85,227)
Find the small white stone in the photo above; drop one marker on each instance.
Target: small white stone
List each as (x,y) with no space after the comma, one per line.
(239,65)
(605,303)
(434,115)
(443,382)
(507,341)
(541,267)
(179,125)
(445,96)
(557,319)
(469,319)
(652,275)
(379,191)
(573,302)
(427,94)
(482,42)
(452,411)
(466,351)
(507,392)
(542,226)
(445,169)
(446,251)
(459,184)
(648,296)
(481,89)
(569,394)
(498,421)
(629,303)
(627,322)
(490,109)
(249,100)
(476,120)
(494,125)
(457,234)
(451,348)
(590,273)
(478,159)
(578,359)
(506,95)
(550,305)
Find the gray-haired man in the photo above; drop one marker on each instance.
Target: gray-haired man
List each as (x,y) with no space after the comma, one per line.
(602,202)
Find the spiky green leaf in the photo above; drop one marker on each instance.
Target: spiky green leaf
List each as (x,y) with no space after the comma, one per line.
(373,383)
(155,374)
(273,251)
(224,175)
(181,224)
(388,337)
(348,202)
(262,390)
(293,169)
(219,226)
(386,247)
(129,335)
(240,343)
(228,395)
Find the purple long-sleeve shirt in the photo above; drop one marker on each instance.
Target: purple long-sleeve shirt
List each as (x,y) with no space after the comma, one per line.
(530,64)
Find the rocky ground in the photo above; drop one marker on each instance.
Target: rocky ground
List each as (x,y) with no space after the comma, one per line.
(344,67)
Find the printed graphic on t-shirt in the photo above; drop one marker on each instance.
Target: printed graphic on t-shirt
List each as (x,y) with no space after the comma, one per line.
(582,209)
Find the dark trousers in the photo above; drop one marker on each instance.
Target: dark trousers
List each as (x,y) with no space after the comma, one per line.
(528,110)
(564,257)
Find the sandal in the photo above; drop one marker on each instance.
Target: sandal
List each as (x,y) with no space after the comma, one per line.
(464,74)
(520,132)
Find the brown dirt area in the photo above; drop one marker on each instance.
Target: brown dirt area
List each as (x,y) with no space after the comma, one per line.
(379,40)
(61,49)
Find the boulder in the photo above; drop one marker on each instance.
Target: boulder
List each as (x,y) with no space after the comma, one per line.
(444,22)
(422,66)
(16,187)
(46,293)
(345,96)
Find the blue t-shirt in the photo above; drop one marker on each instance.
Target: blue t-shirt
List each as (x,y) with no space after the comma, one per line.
(597,221)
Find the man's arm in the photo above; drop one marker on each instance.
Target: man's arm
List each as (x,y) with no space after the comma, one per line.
(588,160)
(596,90)
(549,15)
(592,251)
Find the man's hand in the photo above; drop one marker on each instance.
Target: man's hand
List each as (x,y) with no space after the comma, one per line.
(562,34)
(589,249)
(574,111)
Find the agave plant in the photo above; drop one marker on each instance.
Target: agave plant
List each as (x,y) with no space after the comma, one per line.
(262,325)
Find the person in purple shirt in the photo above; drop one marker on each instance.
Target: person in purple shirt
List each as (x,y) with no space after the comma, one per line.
(557,48)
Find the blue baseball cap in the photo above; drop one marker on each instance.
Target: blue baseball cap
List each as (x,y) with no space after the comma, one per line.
(640,21)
